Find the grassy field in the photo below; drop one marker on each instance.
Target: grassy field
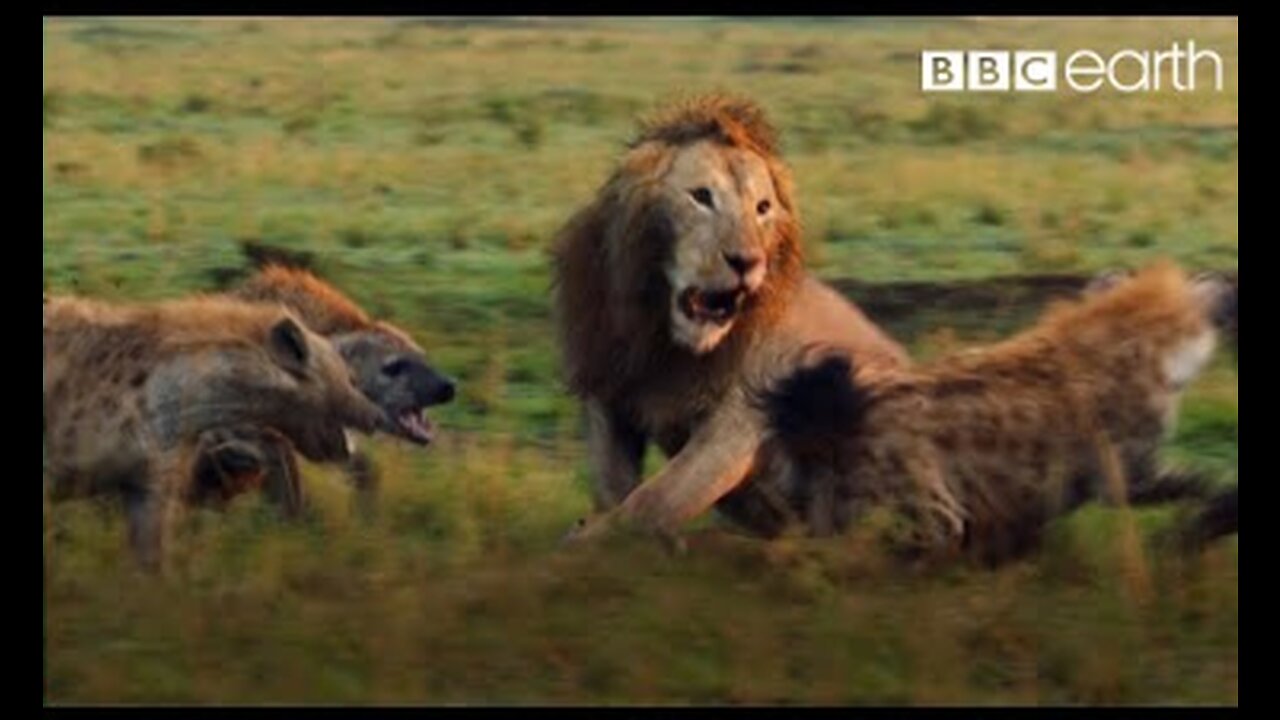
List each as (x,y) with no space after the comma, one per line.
(423,166)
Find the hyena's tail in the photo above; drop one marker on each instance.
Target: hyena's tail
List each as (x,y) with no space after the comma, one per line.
(816,410)
(1219,517)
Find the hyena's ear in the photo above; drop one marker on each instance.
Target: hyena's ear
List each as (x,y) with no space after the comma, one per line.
(1106,280)
(1218,296)
(288,345)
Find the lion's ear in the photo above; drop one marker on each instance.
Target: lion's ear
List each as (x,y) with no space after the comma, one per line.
(783,185)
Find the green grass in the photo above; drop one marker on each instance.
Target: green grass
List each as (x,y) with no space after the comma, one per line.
(425,167)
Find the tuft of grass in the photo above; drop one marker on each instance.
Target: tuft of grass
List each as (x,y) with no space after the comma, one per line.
(991,215)
(196,103)
(170,153)
(954,124)
(53,105)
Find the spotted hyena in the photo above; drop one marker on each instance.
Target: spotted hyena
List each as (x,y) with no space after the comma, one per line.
(388,367)
(132,391)
(981,448)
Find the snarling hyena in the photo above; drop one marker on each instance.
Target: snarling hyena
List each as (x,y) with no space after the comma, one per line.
(980,449)
(388,366)
(131,392)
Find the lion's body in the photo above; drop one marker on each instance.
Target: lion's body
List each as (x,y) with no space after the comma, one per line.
(130,391)
(991,443)
(680,288)
(668,401)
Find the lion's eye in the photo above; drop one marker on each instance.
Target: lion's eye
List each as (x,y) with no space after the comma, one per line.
(703,197)
(763,207)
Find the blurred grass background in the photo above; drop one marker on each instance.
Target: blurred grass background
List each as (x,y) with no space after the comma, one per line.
(423,166)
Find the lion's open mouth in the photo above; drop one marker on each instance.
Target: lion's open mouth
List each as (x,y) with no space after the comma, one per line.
(715,307)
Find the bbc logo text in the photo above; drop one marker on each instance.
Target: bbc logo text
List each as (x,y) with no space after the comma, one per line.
(1178,69)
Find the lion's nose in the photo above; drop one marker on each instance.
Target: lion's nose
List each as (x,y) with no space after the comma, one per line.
(744,263)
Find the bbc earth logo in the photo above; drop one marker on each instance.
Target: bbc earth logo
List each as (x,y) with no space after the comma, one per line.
(1178,69)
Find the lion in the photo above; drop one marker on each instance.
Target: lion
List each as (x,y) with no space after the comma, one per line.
(388,367)
(132,391)
(680,286)
(978,450)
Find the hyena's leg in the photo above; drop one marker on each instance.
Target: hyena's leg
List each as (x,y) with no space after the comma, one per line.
(1219,517)
(1150,483)
(363,475)
(236,460)
(1222,516)
(282,482)
(754,508)
(1134,475)
(229,463)
(152,505)
(820,503)
(1168,486)
(766,505)
(938,524)
(148,527)
(945,518)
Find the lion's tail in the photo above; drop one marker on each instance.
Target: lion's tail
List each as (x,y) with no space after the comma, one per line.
(817,410)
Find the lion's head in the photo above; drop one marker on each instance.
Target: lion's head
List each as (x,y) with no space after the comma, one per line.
(693,241)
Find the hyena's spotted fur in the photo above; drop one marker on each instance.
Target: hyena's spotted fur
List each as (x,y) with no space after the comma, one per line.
(132,391)
(984,447)
(387,365)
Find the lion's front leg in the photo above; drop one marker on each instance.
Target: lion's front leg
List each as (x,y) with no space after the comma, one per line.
(718,458)
(616,450)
